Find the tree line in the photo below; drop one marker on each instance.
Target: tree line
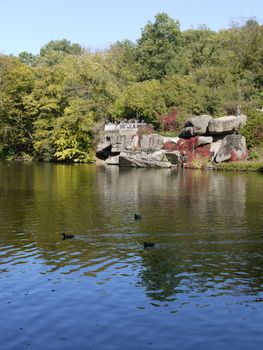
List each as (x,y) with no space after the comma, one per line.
(53,104)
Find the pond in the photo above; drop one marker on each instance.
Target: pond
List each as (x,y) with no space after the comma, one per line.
(199,287)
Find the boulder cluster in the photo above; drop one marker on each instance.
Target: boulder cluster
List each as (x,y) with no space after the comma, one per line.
(218,136)
(202,141)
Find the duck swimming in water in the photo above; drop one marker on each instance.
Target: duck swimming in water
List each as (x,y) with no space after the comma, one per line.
(137,217)
(148,245)
(64,236)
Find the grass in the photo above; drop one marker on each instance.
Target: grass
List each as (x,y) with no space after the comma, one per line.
(241,166)
(168,133)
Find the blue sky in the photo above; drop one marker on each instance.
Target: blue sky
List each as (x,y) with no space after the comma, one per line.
(27,25)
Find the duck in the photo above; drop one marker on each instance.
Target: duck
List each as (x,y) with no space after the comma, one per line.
(137,217)
(64,236)
(148,245)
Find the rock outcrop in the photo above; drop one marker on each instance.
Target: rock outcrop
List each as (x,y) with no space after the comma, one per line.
(202,140)
(206,125)
(112,143)
(195,126)
(226,125)
(219,136)
(158,159)
(233,147)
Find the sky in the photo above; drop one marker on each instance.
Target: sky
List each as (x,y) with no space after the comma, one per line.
(27,25)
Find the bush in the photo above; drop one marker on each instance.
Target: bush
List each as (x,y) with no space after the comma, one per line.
(169,122)
(240,166)
(253,130)
(253,154)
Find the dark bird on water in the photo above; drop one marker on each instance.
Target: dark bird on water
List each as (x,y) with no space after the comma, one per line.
(137,217)
(64,236)
(148,245)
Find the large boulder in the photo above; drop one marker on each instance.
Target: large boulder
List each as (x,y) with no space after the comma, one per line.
(157,159)
(186,132)
(112,160)
(215,147)
(233,147)
(151,142)
(204,140)
(196,125)
(115,141)
(226,125)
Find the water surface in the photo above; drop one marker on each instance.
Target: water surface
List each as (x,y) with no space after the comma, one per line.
(200,287)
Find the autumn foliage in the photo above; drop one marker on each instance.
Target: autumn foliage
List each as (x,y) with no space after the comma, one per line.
(169,122)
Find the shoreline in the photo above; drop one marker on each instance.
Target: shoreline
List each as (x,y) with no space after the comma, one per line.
(244,166)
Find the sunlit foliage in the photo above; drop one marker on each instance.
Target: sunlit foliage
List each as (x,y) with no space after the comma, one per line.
(52,104)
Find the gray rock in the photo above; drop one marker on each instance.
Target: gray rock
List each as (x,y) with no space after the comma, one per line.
(215,146)
(151,142)
(135,142)
(112,160)
(204,140)
(174,157)
(226,125)
(116,141)
(199,124)
(186,132)
(170,139)
(156,159)
(112,142)
(233,147)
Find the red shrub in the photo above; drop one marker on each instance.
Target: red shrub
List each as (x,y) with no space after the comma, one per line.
(170,146)
(233,157)
(169,121)
(190,151)
(187,145)
(203,151)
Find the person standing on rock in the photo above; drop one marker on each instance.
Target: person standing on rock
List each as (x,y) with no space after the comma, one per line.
(238,111)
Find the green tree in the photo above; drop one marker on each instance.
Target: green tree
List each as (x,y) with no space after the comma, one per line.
(183,93)
(157,46)
(55,51)
(72,135)
(28,58)
(246,41)
(17,81)
(87,77)
(44,104)
(142,100)
(200,46)
(253,130)
(120,60)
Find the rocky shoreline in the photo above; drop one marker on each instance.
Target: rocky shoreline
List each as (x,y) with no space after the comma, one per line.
(202,142)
